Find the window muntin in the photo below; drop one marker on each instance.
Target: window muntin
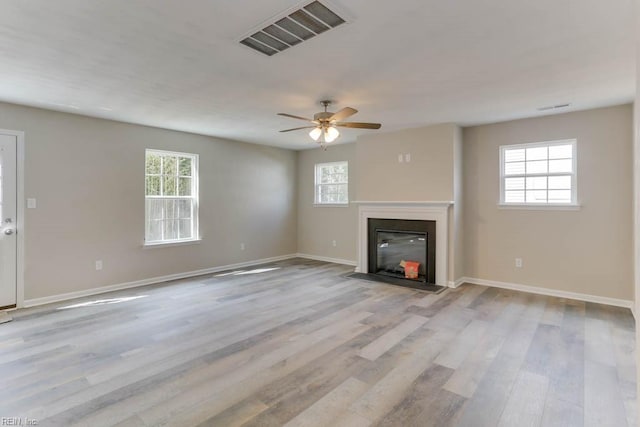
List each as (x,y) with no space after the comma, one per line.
(171,197)
(540,174)
(332,183)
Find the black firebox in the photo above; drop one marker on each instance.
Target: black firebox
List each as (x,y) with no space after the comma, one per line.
(393,242)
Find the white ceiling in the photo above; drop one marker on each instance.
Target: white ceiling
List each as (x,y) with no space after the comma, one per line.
(404,63)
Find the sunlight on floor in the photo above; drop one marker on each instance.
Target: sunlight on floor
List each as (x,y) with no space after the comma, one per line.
(243,272)
(102,302)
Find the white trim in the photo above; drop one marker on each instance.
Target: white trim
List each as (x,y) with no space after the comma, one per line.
(407,203)
(317,171)
(151,281)
(327,259)
(160,279)
(540,207)
(20,201)
(170,153)
(194,197)
(427,211)
(550,292)
(456,283)
(21,220)
(574,173)
(165,244)
(549,143)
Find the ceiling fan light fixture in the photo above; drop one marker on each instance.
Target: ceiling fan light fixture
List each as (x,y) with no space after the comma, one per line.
(325,133)
(315,133)
(330,134)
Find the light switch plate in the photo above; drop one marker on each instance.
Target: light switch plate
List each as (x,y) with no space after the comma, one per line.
(31,203)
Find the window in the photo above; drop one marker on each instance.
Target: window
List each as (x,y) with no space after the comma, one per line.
(171,197)
(541,173)
(332,183)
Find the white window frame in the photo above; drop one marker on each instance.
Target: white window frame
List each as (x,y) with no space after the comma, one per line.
(316,184)
(195,178)
(574,176)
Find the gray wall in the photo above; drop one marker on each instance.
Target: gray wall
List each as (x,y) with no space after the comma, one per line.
(586,251)
(318,226)
(88,178)
(429,175)
(87,175)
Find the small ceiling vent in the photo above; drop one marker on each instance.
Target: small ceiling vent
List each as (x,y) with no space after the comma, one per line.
(553,107)
(296,27)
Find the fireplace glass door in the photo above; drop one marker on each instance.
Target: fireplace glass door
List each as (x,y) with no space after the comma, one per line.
(395,248)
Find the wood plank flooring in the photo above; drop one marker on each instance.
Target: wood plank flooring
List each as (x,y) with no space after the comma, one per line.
(295,343)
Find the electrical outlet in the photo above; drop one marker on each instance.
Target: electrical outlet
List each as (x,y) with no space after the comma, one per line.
(519,262)
(242,246)
(99,265)
(334,243)
(407,157)
(400,158)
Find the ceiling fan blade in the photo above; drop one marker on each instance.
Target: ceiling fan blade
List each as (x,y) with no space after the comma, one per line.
(296,117)
(303,127)
(358,125)
(343,114)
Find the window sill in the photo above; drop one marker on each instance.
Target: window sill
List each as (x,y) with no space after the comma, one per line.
(169,244)
(331,205)
(532,207)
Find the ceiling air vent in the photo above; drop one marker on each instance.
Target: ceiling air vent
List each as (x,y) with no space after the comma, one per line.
(297,26)
(553,107)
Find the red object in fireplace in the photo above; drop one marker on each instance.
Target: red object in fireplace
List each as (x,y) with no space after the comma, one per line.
(411,269)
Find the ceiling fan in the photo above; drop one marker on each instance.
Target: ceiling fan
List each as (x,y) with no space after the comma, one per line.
(325,123)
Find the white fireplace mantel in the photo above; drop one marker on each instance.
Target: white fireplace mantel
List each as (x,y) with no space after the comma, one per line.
(444,203)
(437,211)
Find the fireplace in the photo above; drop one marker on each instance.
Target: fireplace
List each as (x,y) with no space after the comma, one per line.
(397,247)
(433,211)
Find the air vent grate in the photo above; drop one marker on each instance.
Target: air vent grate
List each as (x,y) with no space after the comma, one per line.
(553,107)
(299,25)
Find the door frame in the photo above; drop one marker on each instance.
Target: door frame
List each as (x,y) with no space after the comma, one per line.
(20,205)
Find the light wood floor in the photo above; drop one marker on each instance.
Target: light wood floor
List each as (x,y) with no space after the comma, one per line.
(294,343)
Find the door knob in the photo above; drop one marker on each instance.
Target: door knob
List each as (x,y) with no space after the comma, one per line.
(8,231)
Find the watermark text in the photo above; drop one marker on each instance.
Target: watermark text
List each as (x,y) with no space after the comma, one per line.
(18,421)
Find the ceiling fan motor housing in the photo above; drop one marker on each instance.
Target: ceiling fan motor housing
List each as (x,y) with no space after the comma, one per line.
(323,116)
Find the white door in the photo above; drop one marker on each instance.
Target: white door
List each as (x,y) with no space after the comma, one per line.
(8,217)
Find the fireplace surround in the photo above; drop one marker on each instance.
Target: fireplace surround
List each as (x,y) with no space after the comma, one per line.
(427,211)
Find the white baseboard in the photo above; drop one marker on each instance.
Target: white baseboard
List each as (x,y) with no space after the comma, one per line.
(456,283)
(153,280)
(549,292)
(327,259)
